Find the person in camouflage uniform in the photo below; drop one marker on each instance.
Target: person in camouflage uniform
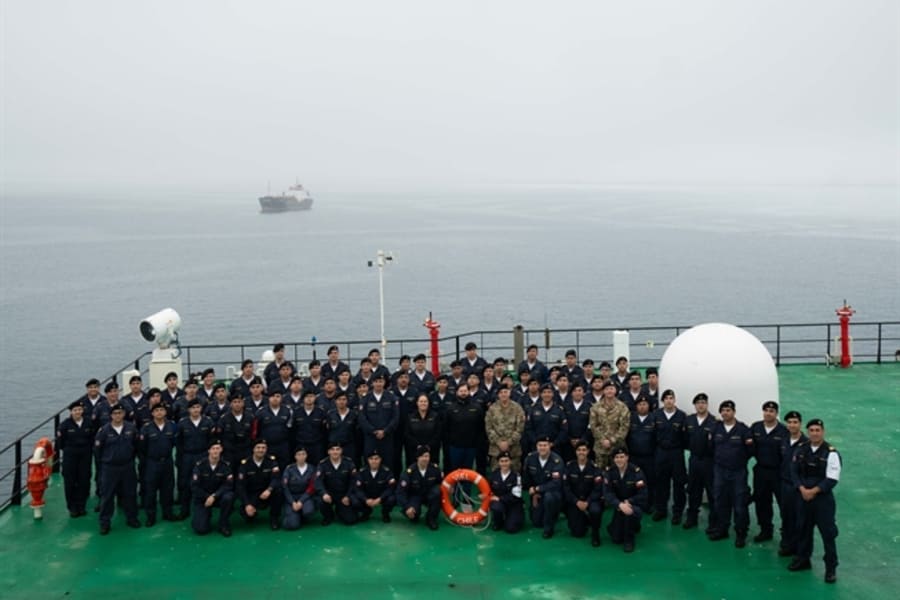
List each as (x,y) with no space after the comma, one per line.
(504,424)
(609,424)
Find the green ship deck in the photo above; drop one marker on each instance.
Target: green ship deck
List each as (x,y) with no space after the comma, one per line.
(61,557)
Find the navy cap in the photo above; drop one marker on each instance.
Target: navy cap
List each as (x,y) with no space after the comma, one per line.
(116,407)
(793,415)
(726,404)
(160,405)
(544,438)
(817,422)
(219,386)
(260,441)
(770,404)
(668,393)
(608,383)
(620,450)
(170,375)
(642,398)
(547,386)
(194,402)
(112,385)
(701,397)
(372,453)
(504,454)
(236,396)
(76,404)
(92,381)
(335,445)
(423,449)
(215,442)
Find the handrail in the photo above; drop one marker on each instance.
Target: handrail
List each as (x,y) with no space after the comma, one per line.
(581,342)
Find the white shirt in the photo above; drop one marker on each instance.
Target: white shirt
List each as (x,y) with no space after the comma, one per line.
(118,429)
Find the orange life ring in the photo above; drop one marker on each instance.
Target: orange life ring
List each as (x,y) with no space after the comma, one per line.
(484,486)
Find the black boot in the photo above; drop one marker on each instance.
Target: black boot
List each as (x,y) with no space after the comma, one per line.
(595,536)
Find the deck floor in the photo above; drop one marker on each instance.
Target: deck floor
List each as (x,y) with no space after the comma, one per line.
(61,557)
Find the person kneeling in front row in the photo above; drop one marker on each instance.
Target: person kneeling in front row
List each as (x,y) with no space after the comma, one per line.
(212,485)
(626,490)
(420,485)
(507,507)
(298,487)
(259,485)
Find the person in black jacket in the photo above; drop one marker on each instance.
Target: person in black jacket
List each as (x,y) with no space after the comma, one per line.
(507,506)
(583,493)
(420,486)
(423,428)
(335,479)
(115,446)
(625,491)
(212,486)
(464,424)
(259,485)
(375,487)
(698,429)
(75,438)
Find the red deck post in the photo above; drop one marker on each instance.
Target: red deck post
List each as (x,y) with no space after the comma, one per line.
(844,313)
(434,331)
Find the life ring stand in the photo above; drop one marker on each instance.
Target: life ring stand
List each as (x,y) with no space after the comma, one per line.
(463,518)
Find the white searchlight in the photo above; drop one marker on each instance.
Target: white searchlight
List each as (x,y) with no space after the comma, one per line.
(162,328)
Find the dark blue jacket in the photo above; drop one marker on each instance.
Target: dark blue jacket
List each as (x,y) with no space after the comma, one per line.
(669,431)
(732,450)
(698,437)
(767,446)
(194,439)
(547,478)
(810,467)
(338,481)
(584,484)
(207,482)
(377,414)
(76,439)
(382,485)
(116,449)
(503,489)
(641,440)
(631,486)
(540,421)
(156,444)
(273,426)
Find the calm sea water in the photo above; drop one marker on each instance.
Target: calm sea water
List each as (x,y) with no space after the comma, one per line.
(78,270)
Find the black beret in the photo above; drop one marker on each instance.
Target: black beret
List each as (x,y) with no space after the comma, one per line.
(256,380)
(770,404)
(504,454)
(160,405)
(112,385)
(116,407)
(544,438)
(373,452)
(793,415)
(701,396)
(335,445)
(608,383)
(194,402)
(642,398)
(170,375)
(215,442)
(76,404)
(619,450)
(153,391)
(817,422)
(668,393)
(92,381)
(300,448)
(236,396)
(260,441)
(606,364)
(547,386)
(726,404)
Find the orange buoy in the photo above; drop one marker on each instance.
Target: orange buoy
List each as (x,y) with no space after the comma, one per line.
(462,518)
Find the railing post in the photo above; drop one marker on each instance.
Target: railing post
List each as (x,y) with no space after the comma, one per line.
(457,347)
(878,359)
(188,363)
(828,340)
(56,460)
(16,498)
(518,345)
(778,345)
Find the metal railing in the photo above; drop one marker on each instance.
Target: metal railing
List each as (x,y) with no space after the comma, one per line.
(787,343)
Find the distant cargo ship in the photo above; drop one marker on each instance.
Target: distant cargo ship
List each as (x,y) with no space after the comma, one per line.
(295,198)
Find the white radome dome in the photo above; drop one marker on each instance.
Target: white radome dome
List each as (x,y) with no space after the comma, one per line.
(725,362)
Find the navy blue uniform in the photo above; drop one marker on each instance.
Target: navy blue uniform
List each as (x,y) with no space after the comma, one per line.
(332,371)
(470,367)
(338,483)
(541,421)
(406,404)
(236,436)
(76,441)
(417,489)
(381,485)
(298,486)
(217,482)
(508,509)
(731,451)
(547,480)
(155,447)
(116,452)
(342,429)
(669,470)
(641,442)
(213,410)
(191,444)
(790,495)
(379,414)
(310,431)
(817,467)
(274,427)
(619,487)
(698,440)
(254,479)
(766,472)
(538,370)
(583,484)
(242,386)
(423,384)
(577,426)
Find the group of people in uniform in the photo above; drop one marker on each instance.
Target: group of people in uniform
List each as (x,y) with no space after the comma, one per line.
(568,440)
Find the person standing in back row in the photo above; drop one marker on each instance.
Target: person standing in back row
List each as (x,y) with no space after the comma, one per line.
(768,438)
(115,448)
(75,438)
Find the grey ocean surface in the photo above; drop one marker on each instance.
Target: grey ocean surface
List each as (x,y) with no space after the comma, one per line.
(79,270)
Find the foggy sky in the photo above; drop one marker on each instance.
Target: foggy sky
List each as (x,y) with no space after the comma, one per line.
(464,91)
